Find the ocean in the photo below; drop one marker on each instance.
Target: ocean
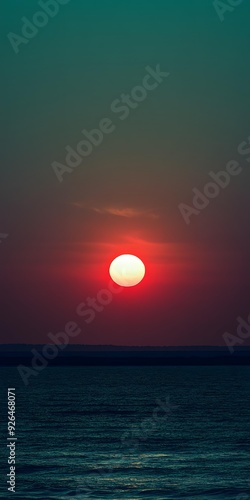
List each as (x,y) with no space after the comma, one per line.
(167,432)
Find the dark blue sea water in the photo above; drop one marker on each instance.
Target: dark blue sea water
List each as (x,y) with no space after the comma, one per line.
(130,433)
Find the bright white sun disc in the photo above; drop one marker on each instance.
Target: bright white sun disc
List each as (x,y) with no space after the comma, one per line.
(127,270)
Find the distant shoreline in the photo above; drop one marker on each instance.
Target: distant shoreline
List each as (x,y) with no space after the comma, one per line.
(79,355)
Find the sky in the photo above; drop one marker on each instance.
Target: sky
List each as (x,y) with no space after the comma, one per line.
(167,82)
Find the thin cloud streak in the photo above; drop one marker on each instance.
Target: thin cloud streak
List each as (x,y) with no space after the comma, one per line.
(127,212)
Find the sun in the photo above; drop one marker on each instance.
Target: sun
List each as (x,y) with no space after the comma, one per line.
(127,270)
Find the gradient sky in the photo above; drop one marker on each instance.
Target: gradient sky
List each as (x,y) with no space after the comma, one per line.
(124,197)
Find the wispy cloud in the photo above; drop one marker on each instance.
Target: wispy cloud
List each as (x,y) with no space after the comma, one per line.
(127,212)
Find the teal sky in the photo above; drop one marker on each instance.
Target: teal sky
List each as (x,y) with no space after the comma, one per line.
(62,236)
